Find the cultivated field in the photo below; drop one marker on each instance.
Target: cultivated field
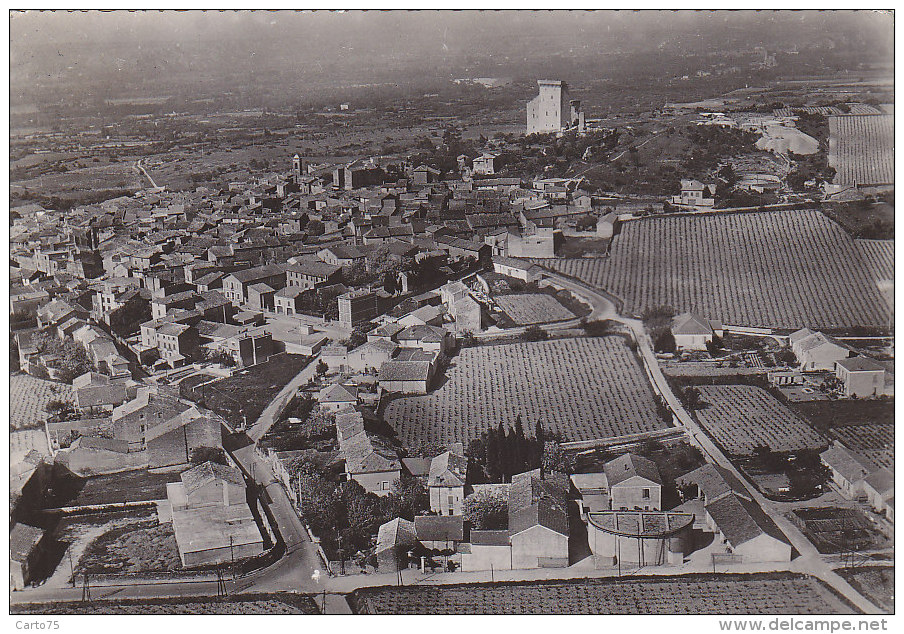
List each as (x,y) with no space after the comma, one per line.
(582,389)
(533,308)
(28,396)
(862,149)
(879,256)
(876,442)
(282,603)
(727,594)
(770,269)
(743,417)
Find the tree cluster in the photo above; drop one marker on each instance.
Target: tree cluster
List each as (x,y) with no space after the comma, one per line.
(72,361)
(500,453)
(344,512)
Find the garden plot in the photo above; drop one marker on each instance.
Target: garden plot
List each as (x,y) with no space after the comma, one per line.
(699,594)
(581,389)
(533,308)
(837,530)
(279,603)
(743,417)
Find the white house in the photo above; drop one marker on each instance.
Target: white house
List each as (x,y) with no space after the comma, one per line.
(816,351)
(693,332)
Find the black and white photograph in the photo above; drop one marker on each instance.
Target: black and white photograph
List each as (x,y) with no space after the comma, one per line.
(435,312)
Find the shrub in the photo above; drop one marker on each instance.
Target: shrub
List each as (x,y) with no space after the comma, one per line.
(535,333)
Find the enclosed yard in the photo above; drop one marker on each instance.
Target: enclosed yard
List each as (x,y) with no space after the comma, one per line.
(279,603)
(770,269)
(697,594)
(142,546)
(29,396)
(247,393)
(743,417)
(838,530)
(525,310)
(582,389)
(69,489)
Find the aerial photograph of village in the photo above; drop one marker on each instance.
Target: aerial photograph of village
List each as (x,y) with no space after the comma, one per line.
(434,312)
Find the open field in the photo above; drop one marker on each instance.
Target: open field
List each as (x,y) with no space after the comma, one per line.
(279,603)
(582,389)
(529,309)
(778,593)
(28,396)
(875,583)
(876,442)
(143,546)
(861,149)
(838,530)
(250,392)
(769,269)
(743,417)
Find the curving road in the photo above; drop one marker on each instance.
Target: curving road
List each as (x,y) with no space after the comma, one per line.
(810,561)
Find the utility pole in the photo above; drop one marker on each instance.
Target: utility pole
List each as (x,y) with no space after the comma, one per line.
(221,583)
(86,590)
(232,555)
(71,567)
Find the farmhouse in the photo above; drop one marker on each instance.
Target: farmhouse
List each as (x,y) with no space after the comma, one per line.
(337,397)
(816,351)
(879,487)
(740,525)
(538,520)
(693,332)
(370,461)
(96,392)
(849,469)
(446,482)
(25,550)
(519,269)
(407,377)
(862,377)
(394,539)
(695,194)
(211,518)
(439,533)
(634,483)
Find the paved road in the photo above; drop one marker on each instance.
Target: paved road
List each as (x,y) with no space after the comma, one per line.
(810,560)
(293,572)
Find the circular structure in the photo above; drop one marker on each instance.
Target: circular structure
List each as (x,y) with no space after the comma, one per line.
(639,537)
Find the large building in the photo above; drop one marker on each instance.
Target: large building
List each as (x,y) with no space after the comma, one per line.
(553,110)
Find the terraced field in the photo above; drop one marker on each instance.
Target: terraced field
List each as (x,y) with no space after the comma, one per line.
(583,389)
(727,594)
(768,269)
(743,417)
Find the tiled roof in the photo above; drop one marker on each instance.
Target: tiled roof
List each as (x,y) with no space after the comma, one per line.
(405,371)
(22,541)
(630,465)
(438,528)
(448,469)
(690,324)
(538,502)
(852,466)
(490,538)
(397,532)
(714,482)
(740,520)
(860,364)
(203,474)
